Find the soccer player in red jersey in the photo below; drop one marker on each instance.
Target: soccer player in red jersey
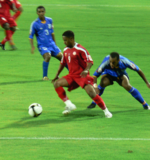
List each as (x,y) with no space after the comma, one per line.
(7,22)
(79,63)
(19,10)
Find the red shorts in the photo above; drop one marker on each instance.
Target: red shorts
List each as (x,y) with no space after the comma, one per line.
(76,81)
(9,20)
(17,4)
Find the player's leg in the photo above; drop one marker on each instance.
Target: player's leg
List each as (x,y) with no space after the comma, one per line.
(133,91)
(8,35)
(98,100)
(105,81)
(59,84)
(47,57)
(12,45)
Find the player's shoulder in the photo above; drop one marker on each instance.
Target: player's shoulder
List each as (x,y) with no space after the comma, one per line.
(79,47)
(48,19)
(65,49)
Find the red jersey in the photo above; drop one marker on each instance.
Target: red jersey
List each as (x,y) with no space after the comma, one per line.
(5,6)
(76,58)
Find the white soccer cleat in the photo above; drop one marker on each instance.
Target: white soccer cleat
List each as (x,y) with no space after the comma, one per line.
(69,108)
(107,113)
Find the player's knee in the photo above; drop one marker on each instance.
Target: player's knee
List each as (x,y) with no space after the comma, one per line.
(47,58)
(6,26)
(13,29)
(57,84)
(126,86)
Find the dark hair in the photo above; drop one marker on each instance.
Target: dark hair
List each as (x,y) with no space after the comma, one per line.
(68,34)
(114,55)
(40,7)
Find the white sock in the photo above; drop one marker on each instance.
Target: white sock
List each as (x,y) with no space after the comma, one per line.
(67,102)
(106,110)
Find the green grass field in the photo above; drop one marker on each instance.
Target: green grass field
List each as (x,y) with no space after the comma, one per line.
(101,27)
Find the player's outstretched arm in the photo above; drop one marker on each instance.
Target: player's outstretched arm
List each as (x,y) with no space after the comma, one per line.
(53,36)
(32,46)
(144,78)
(86,71)
(61,67)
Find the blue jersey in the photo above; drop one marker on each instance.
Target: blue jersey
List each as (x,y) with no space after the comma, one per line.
(123,64)
(43,32)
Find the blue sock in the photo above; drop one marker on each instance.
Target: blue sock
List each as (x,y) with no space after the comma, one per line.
(136,94)
(101,89)
(45,68)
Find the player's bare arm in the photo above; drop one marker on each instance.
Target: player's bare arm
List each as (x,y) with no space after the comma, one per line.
(86,71)
(14,8)
(61,67)
(32,45)
(144,78)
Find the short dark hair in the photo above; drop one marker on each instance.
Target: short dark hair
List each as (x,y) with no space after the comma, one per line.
(40,7)
(68,34)
(114,55)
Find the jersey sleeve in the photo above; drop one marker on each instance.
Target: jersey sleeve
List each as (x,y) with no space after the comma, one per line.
(130,64)
(101,67)
(32,30)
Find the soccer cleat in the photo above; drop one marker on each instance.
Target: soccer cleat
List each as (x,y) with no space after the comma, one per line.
(69,108)
(13,48)
(108,114)
(92,105)
(147,107)
(45,78)
(2,46)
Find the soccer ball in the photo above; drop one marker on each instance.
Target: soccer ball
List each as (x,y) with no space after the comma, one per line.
(35,109)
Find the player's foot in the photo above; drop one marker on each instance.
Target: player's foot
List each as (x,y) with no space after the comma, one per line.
(147,107)
(92,105)
(45,78)
(107,113)
(2,46)
(13,48)
(70,107)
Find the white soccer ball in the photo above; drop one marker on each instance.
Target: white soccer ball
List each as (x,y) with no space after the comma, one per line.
(35,109)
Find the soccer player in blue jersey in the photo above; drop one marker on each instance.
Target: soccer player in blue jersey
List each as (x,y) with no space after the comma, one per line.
(43,29)
(113,68)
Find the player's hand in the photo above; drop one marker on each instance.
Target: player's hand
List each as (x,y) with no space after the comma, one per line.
(148,85)
(53,80)
(32,50)
(84,73)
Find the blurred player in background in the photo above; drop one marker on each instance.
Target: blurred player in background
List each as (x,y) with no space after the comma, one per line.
(113,68)
(7,22)
(43,29)
(79,63)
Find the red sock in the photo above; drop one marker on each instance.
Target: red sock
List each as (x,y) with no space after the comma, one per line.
(16,15)
(99,101)
(61,93)
(8,36)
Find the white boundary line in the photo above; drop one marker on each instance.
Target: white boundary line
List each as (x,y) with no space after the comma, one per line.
(73,138)
(86,5)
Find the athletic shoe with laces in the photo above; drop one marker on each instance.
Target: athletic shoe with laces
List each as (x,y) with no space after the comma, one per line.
(147,107)
(2,46)
(69,108)
(45,78)
(13,48)
(92,105)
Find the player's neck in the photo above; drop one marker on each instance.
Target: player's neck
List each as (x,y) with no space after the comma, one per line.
(72,45)
(42,18)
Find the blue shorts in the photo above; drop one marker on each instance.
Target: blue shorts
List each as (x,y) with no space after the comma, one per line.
(53,50)
(114,78)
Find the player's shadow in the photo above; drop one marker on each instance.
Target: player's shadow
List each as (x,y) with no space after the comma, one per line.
(81,115)
(20,82)
(29,122)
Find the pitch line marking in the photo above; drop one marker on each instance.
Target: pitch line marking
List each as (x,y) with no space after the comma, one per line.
(86,5)
(73,138)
